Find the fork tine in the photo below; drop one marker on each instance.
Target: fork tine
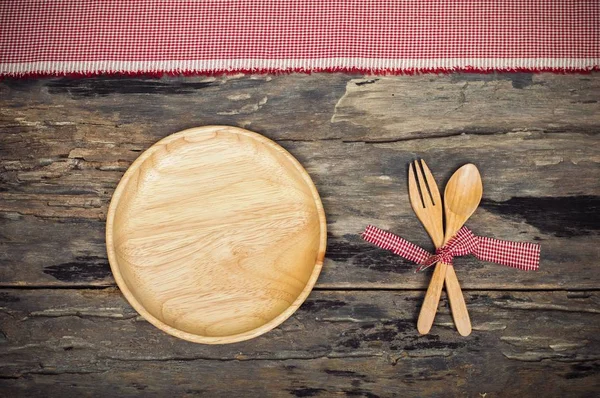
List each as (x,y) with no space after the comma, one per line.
(423,185)
(414,191)
(431,184)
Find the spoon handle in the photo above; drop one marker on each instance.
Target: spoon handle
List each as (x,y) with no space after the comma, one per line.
(460,314)
(457,303)
(432,299)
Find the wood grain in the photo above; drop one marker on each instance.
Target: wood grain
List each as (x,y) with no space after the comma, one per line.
(348,343)
(66,143)
(216,234)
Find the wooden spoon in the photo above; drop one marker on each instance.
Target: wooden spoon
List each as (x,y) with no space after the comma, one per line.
(461,198)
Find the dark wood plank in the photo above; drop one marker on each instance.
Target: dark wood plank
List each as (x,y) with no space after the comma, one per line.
(391,108)
(66,143)
(357,343)
(55,250)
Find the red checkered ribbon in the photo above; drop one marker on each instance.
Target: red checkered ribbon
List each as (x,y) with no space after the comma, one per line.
(521,255)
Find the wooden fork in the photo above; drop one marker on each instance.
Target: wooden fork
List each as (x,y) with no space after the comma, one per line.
(426,201)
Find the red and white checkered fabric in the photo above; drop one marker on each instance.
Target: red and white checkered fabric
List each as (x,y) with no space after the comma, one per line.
(59,37)
(521,255)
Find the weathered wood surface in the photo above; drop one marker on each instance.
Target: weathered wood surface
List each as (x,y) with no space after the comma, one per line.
(65,144)
(65,328)
(90,342)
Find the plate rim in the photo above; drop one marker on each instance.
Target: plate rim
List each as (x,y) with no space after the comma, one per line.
(196,338)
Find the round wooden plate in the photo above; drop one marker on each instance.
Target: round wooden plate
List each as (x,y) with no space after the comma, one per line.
(216,234)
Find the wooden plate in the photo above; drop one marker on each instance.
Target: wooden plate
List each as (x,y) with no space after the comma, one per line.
(216,234)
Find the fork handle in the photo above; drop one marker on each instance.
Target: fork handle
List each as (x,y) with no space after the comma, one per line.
(432,299)
(457,303)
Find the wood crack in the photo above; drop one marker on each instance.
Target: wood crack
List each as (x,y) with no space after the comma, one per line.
(302,356)
(105,285)
(419,136)
(545,307)
(47,372)
(83,313)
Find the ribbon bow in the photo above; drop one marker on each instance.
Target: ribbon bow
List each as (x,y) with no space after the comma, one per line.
(521,255)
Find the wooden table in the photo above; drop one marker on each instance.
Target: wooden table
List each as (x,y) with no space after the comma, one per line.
(65,329)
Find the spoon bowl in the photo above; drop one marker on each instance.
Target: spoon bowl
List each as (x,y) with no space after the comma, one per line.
(461,198)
